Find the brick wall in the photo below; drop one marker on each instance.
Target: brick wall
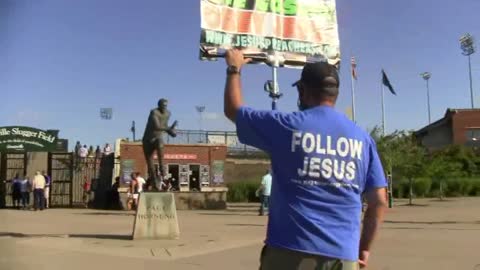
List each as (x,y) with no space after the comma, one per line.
(203,154)
(461,122)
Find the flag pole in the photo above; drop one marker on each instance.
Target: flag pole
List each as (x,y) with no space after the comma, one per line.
(353,95)
(383,108)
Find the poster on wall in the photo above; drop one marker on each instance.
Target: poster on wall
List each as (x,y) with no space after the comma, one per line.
(217,171)
(299,30)
(128,166)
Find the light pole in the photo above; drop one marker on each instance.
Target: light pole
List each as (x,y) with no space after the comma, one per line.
(132,129)
(468,48)
(200,110)
(426,76)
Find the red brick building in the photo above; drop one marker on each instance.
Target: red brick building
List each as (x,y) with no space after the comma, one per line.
(457,127)
(195,167)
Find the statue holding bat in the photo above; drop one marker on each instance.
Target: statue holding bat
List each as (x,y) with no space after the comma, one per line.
(157,125)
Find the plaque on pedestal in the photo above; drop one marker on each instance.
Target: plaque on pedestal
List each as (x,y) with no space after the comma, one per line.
(156,217)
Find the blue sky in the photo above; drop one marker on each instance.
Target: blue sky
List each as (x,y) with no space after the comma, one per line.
(61,61)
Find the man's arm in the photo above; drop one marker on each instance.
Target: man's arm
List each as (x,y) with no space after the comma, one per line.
(156,122)
(233,88)
(373,218)
(375,193)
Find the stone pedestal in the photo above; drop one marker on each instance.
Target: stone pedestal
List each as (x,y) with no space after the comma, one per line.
(156,217)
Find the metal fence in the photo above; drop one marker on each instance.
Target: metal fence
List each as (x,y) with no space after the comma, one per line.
(213,137)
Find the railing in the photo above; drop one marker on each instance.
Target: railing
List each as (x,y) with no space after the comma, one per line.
(213,137)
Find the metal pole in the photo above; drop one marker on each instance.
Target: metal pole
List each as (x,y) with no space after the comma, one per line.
(390,189)
(275,85)
(383,111)
(353,99)
(428,103)
(471,84)
(133,130)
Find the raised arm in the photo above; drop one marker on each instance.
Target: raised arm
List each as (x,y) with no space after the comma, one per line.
(233,89)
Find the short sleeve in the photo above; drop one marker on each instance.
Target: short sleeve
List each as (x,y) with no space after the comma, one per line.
(257,128)
(264,181)
(375,174)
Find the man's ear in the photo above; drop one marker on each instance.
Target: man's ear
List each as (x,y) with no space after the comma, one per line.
(301,91)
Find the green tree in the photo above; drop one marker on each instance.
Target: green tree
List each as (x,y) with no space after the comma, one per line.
(412,160)
(440,167)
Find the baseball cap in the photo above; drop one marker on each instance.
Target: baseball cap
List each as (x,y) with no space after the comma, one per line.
(320,75)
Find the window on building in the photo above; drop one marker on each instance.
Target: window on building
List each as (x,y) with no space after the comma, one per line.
(473,135)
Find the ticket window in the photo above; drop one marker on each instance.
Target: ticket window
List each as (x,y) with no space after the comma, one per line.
(194,178)
(174,175)
(183,177)
(205,175)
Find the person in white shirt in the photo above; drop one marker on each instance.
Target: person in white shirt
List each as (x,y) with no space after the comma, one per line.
(38,191)
(140,181)
(264,192)
(107,150)
(83,152)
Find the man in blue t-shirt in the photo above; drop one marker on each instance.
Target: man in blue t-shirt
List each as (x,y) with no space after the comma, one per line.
(321,165)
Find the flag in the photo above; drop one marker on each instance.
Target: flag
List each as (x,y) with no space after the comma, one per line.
(387,83)
(354,68)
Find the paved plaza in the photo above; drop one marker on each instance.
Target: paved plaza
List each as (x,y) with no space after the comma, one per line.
(430,235)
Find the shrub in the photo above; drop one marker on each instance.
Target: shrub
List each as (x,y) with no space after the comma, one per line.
(400,188)
(460,187)
(421,186)
(475,191)
(243,191)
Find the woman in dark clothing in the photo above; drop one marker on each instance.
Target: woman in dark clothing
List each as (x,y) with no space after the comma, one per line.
(16,192)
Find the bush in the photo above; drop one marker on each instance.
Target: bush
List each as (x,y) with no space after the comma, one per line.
(243,191)
(475,191)
(421,186)
(461,187)
(400,188)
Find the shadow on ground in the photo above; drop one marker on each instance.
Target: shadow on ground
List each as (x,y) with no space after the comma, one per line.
(430,229)
(412,205)
(227,214)
(430,222)
(94,236)
(246,225)
(107,214)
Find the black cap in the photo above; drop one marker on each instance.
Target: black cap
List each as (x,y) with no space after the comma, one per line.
(320,75)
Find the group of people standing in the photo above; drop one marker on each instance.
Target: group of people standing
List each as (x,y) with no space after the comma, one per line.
(39,186)
(82,151)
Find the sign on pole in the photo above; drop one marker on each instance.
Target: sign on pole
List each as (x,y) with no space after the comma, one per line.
(300,30)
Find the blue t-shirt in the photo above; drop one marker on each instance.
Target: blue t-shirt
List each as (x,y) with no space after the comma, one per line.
(321,164)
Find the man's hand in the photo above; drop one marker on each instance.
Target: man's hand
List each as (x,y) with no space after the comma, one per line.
(171,130)
(235,58)
(363,260)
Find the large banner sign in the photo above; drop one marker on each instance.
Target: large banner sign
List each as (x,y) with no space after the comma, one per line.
(299,30)
(26,139)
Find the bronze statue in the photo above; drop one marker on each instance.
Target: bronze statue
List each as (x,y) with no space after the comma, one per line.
(157,125)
